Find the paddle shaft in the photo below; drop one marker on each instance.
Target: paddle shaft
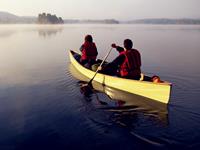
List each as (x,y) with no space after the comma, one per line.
(100,66)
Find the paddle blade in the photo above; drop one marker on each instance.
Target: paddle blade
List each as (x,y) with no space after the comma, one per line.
(86,89)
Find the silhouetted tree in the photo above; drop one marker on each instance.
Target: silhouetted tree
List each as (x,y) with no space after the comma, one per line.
(61,20)
(49,19)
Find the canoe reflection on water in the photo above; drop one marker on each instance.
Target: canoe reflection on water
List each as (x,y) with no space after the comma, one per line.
(125,103)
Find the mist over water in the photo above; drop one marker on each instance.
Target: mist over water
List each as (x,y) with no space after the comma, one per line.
(41,105)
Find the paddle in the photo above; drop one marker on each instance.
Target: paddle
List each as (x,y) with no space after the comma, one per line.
(89,83)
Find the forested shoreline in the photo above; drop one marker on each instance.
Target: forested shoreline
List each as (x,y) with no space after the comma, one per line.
(49,19)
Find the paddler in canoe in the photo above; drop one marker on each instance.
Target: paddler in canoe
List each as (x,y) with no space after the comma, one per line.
(89,52)
(127,64)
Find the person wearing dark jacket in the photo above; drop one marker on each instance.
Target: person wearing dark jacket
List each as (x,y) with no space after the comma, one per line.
(127,64)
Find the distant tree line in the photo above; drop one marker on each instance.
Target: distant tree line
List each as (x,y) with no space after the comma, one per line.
(104,21)
(49,19)
(165,21)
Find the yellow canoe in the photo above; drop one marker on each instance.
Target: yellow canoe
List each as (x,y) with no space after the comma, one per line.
(155,91)
(125,101)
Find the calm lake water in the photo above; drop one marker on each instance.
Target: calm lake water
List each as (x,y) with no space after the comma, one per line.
(41,106)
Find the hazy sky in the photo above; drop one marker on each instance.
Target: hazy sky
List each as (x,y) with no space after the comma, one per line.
(101,9)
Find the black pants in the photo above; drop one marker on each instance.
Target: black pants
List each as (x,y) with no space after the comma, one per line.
(134,78)
(88,63)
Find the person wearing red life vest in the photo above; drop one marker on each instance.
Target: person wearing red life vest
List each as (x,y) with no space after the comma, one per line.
(128,62)
(89,51)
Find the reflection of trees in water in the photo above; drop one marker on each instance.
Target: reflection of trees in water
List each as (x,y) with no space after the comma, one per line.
(4,34)
(43,31)
(48,32)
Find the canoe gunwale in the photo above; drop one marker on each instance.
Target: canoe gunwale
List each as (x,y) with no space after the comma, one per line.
(156,91)
(148,82)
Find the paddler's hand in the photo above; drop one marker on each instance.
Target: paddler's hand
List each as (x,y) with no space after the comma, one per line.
(99,68)
(114,45)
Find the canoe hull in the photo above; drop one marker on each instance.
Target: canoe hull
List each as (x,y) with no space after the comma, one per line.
(155,91)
